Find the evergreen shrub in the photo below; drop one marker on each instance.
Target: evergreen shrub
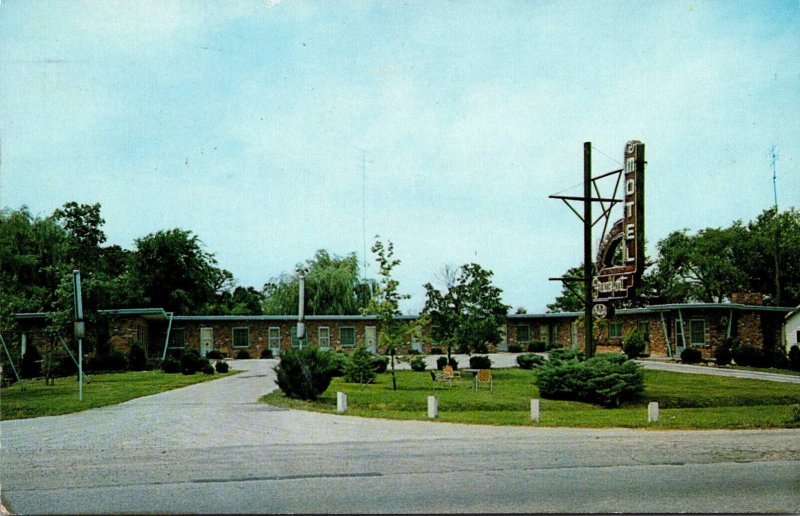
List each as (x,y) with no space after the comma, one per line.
(418,363)
(537,346)
(514,348)
(214,354)
(480,362)
(794,358)
(340,361)
(750,356)
(380,363)
(137,360)
(222,367)
(242,354)
(606,379)
(266,353)
(190,361)
(171,365)
(691,356)
(633,344)
(723,355)
(304,373)
(360,368)
(566,354)
(530,360)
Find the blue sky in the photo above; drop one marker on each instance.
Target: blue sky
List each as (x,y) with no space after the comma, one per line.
(247,122)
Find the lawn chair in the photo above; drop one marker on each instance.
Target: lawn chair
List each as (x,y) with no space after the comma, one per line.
(484,376)
(451,374)
(441,378)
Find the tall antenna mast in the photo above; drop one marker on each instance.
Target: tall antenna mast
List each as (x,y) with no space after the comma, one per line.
(774,156)
(364,206)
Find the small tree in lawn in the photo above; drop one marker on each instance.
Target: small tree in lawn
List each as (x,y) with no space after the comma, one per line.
(385,303)
(470,312)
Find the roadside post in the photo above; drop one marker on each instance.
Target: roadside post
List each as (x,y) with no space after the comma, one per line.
(79,327)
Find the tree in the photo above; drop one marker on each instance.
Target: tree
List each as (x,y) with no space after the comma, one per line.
(332,287)
(174,271)
(572,293)
(468,314)
(386,302)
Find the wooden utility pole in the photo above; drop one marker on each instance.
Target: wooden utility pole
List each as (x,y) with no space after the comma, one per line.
(587,248)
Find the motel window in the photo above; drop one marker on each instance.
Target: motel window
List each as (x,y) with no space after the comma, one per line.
(697,332)
(241,337)
(274,337)
(615,330)
(347,335)
(523,334)
(324,337)
(177,338)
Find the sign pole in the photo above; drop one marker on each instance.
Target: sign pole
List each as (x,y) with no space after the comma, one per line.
(80,329)
(587,248)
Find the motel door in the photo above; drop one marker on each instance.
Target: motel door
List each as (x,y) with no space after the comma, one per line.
(574,334)
(206,340)
(371,339)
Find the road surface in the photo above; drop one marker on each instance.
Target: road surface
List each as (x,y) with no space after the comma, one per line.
(211,448)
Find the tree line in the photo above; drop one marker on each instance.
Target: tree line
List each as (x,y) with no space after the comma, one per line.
(713,264)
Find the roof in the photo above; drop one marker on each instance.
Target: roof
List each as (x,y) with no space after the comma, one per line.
(30,315)
(146,313)
(665,308)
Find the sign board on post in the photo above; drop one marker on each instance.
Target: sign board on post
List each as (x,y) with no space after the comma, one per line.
(617,280)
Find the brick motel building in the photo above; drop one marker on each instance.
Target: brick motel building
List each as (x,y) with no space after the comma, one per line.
(667,329)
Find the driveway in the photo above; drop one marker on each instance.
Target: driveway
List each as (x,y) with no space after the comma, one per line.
(212,448)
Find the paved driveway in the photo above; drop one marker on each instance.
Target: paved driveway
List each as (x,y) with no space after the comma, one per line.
(211,448)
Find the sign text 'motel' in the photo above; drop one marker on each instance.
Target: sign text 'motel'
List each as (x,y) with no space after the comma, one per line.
(620,258)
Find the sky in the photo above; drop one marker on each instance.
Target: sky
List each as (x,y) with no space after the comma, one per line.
(271,129)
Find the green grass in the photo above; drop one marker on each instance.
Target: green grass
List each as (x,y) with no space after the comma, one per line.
(32,398)
(686,401)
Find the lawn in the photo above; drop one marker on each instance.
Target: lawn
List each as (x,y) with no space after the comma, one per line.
(686,401)
(32,398)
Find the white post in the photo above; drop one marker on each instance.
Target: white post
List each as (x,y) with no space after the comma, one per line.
(652,412)
(433,407)
(341,402)
(535,410)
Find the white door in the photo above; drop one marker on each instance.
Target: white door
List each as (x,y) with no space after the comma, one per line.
(206,340)
(371,338)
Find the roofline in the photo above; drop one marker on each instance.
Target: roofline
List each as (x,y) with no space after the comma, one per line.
(158,312)
(30,315)
(290,317)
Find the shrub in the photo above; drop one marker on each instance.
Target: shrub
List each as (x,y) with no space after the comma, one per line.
(109,362)
(691,356)
(441,362)
(453,363)
(418,364)
(514,348)
(415,352)
(137,360)
(190,361)
(153,363)
(607,379)
(31,365)
(633,344)
(750,356)
(436,351)
(206,367)
(340,361)
(242,354)
(481,347)
(304,373)
(723,355)
(214,354)
(796,412)
(794,357)
(360,369)
(537,346)
(170,365)
(222,367)
(380,363)
(530,360)
(565,354)
(480,362)
(266,353)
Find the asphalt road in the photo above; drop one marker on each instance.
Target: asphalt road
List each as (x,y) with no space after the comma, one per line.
(211,448)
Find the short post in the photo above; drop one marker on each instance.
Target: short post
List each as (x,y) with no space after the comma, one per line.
(341,402)
(535,410)
(652,412)
(433,407)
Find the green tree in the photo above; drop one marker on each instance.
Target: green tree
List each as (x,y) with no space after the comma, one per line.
(174,271)
(469,313)
(572,292)
(332,287)
(386,302)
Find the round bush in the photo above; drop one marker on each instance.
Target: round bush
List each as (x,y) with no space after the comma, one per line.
(441,362)
(530,360)
(360,368)
(418,364)
(794,357)
(751,356)
(633,344)
(537,346)
(242,354)
(214,354)
(222,367)
(723,356)
(207,368)
(137,360)
(191,362)
(171,365)
(514,348)
(691,356)
(305,373)
(607,380)
(380,363)
(266,353)
(480,362)
(340,361)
